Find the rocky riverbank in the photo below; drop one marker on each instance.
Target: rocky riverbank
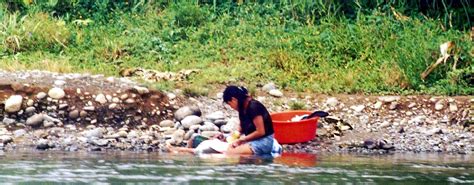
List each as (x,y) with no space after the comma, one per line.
(72,112)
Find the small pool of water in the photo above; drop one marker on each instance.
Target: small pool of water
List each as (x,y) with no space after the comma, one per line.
(129,167)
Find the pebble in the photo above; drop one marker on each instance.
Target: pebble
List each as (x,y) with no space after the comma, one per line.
(101,99)
(13,103)
(56,93)
(275,93)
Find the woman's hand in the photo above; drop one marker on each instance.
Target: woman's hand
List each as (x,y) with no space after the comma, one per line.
(237,143)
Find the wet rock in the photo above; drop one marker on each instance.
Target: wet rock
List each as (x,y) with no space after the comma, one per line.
(101,99)
(370,144)
(44,144)
(275,93)
(185,111)
(191,120)
(56,93)
(13,103)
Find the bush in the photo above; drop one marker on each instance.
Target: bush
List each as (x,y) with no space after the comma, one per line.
(33,32)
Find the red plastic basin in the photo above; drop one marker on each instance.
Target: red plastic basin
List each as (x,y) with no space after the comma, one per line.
(288,132)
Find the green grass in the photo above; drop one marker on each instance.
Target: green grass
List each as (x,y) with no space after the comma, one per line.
(373,52)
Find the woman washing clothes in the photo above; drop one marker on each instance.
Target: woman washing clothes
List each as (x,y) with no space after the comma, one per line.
(255,125)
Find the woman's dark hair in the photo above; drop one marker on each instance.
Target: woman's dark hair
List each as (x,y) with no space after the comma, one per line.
(240,93)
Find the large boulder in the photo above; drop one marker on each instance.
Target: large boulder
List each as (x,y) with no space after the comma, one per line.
(191,120)
(181,113)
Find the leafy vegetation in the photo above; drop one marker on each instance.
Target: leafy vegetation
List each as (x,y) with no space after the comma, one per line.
(308,46)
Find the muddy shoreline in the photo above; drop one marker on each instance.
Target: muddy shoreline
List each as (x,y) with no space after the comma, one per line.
(82,112)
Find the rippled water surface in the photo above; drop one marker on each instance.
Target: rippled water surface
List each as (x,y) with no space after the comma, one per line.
(113,167)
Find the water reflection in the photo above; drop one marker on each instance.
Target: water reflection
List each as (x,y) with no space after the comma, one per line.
(129,167)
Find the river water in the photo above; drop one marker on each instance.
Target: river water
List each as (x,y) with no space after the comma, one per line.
(140,168)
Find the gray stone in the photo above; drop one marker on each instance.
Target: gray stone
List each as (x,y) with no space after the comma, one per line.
(275,93)
(210,134)
(19,133)
(44,144)
(378,105)
(171,96)
(389,99)
(178,136)
(89,108)
(41,95)
(453,107)
(94,133)
(268,87)
(113,106)
(47,124)
(393,105)
(30,102)
(215,115)
(6,139)
(29,110)
(13,103)
(132,134)
(56,93)
(122,133)
(8,121)
(74,114)
(141,90)
(129,101)
(35,120)
(332,102)
(166,123)
(191,120)
(439,105)
(220,122)
(188,134)
(101,99)
(358,108)
(100,142)
(185,111)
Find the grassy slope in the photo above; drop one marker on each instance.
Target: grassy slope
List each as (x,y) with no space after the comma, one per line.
(374,53)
